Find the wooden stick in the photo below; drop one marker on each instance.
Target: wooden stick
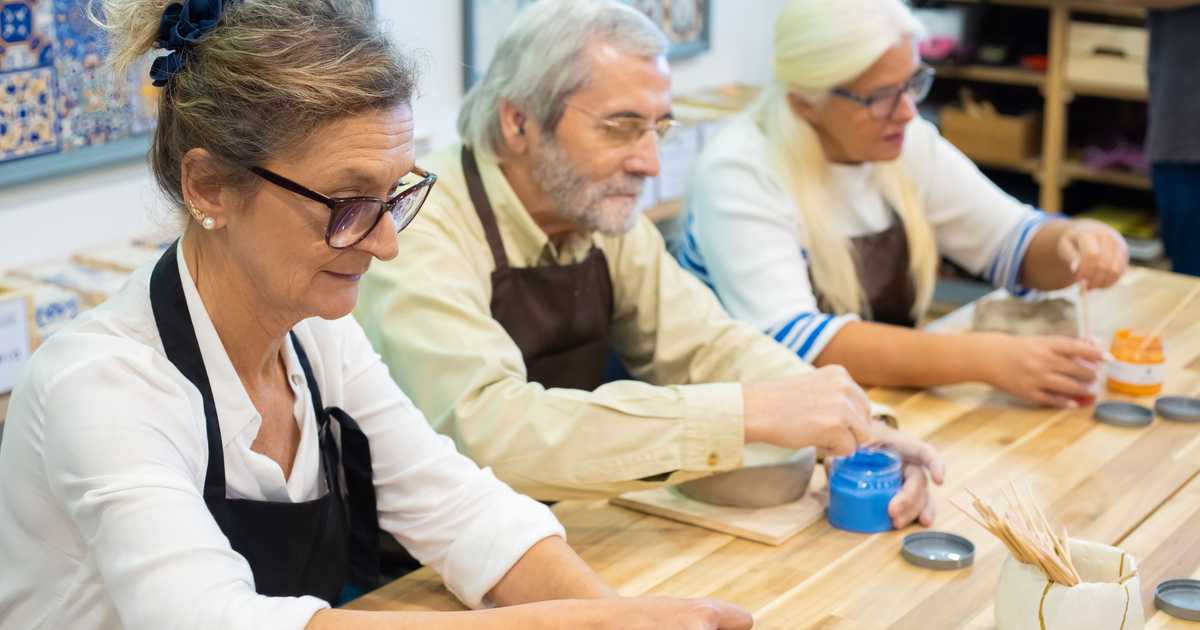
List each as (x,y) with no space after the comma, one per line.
(1083,309)
(1166,321)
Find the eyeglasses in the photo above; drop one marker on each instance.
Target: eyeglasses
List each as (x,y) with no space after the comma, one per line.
(883,103)
(351,219)
(627,129)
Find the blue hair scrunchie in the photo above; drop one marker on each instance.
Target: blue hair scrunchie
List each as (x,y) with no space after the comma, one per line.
(181,26)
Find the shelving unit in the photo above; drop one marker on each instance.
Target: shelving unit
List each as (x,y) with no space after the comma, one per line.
(1054,170)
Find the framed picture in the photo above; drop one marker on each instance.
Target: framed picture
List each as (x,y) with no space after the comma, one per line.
(60,109)
(687,23)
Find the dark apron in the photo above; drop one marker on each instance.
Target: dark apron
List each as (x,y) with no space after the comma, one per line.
(559,315)
(314,547)
(882,261)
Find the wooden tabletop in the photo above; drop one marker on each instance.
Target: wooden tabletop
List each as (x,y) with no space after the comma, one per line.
(1134,488)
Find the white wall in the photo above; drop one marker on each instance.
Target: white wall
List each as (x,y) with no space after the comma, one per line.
(51,218)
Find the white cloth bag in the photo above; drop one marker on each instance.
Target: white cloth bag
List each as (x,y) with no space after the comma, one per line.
(1027,600)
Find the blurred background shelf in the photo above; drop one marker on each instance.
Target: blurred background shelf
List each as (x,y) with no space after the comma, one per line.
(1075,170)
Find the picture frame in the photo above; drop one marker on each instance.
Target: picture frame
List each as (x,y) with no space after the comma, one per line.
(687,24)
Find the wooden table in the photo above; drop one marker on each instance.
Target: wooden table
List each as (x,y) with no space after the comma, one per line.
(1137,489)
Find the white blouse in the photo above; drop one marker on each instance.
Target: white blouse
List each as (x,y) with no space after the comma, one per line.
(746,240)
(103,462)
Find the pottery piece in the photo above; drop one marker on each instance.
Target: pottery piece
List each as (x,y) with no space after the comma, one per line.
(1016,316)
(769,476)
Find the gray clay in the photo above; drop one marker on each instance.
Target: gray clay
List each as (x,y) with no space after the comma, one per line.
(1015,316)
(770,476)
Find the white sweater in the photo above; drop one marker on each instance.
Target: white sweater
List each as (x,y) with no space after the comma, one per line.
(745,237)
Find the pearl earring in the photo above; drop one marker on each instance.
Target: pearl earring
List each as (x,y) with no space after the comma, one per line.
(206,222)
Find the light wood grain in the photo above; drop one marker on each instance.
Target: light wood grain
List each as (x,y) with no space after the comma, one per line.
(1138,489)
(3,407)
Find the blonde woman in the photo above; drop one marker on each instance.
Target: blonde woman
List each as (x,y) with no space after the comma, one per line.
(820,215)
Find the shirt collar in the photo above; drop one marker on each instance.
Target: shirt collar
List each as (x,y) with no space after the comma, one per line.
(235,409)
(525,243)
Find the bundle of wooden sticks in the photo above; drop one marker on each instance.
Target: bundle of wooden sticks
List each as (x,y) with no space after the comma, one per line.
(1023,528)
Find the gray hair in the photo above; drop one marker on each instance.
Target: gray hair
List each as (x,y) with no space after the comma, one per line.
(539,63)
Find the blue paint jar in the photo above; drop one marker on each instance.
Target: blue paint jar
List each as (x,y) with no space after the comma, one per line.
(860,488)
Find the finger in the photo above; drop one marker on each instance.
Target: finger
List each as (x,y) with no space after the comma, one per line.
(1089,256)
(1077,348)
(1069,251)
(730,617)
(1064,386)
(1051,399)
(907,505)
(918,452)
(929,514)
(842,443)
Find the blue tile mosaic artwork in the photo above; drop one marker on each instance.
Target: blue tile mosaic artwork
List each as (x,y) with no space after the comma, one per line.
(56,94)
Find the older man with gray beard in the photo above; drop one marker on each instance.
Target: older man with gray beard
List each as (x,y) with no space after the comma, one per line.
(529,268)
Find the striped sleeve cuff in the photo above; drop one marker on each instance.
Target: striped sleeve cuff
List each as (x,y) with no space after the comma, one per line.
(808,333)
(1005,271)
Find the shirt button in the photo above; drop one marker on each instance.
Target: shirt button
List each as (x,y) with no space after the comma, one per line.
(712,460)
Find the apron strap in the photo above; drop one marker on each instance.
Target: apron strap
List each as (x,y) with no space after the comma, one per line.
(355,462)
(181,347)
(483,207)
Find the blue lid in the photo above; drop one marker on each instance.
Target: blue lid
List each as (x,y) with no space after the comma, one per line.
(860,488)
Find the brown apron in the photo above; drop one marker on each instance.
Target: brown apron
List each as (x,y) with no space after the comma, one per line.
(882,260)
(558,315)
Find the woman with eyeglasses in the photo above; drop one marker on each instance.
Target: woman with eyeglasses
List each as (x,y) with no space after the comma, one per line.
(820,215)
(218,446)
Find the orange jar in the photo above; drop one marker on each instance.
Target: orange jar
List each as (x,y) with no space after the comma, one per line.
(1136,371)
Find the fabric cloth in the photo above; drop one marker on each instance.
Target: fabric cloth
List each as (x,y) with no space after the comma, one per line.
(745,237)
(1177,191)
(427,312)
(1174,134)
(104,458)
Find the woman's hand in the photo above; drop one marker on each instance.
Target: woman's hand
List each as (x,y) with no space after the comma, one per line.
(1049,371)
(921,464)
(1096,254)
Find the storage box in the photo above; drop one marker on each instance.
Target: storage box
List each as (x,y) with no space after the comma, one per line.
(1107,56)
(15,326)
(93,285)
(53,306)
(991,137)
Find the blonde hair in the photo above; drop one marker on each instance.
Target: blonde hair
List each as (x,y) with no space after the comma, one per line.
(261,82)
(820,44)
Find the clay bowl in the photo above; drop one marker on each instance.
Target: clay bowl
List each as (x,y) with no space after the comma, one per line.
(769,476)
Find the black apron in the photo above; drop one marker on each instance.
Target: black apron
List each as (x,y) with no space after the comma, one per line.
(559,315)
(316,547)
(882,260)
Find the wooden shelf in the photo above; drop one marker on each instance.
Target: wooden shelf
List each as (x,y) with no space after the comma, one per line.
(1004,75)
(1098,7)
(1029,166)
(1078,171)
(1082,88)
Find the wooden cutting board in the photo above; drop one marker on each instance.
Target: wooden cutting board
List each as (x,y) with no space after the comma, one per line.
(772,526)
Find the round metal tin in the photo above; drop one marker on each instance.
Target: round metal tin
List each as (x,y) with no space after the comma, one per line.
(1123,414)
(1179,598)
(1178,408)
(940,551)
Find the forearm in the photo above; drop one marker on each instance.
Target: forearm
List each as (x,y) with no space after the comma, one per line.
(549,570)
(881,355)
(533,617)
(1042,267)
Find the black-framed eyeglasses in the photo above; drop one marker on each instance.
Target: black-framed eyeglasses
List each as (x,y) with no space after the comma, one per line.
(628,129)
(882,104)
(351,219)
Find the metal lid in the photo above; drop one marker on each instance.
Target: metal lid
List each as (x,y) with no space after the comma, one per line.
(1178,408)
(1179,598)
(940,551)
(1123,414)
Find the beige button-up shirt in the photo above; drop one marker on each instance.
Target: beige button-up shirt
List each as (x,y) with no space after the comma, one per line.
(428,313)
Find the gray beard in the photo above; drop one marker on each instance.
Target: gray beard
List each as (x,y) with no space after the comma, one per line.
(579,200)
